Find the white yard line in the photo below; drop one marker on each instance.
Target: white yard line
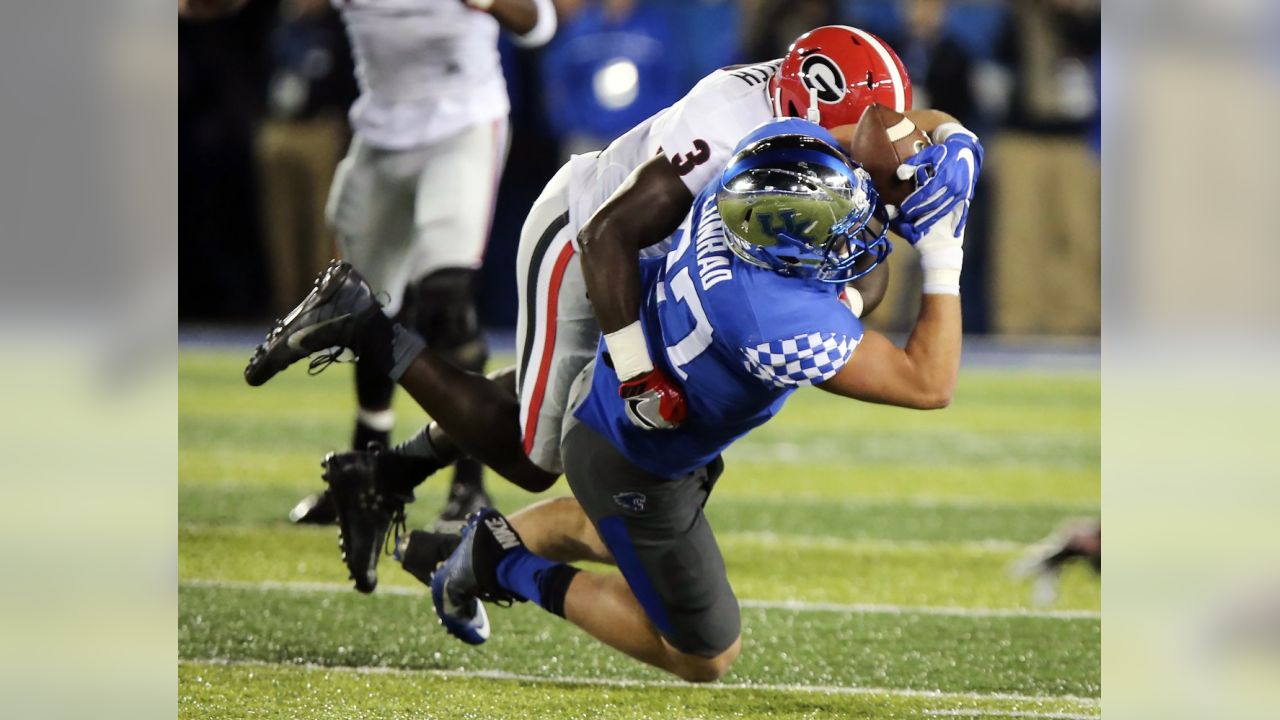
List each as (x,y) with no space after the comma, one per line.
(993,546)
(623,682)
(966,547)
(1008,714)
(882,609)
(790,605)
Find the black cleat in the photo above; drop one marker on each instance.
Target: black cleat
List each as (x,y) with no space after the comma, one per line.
(314,509)
(422,551)
(463,501)
(328,317)
(368,510)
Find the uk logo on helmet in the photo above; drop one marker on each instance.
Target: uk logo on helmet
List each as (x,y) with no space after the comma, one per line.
(822,75)
(789,226)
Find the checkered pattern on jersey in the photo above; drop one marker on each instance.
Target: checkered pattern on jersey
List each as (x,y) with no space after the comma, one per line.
(801,360)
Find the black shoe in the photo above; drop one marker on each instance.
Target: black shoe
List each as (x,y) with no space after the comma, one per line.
(329,317)
(463,501)
(368,510)
(314,509)
(422,551)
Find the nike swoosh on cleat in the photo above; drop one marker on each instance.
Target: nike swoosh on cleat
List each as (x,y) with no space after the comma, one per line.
(295,340)
(482,630)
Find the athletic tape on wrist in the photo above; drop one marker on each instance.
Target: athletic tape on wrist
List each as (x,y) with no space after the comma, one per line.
(629,351)
(937,284)
(480,4)
(941,268)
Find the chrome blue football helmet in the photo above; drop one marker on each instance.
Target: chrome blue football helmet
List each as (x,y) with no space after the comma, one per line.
(792,201)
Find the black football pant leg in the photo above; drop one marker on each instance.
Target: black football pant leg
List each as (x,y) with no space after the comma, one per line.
(441,307)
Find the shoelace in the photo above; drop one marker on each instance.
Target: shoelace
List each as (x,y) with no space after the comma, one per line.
(502,602)
(398,527)
(322,360)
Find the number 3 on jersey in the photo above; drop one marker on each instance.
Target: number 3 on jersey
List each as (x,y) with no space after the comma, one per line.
(684,164)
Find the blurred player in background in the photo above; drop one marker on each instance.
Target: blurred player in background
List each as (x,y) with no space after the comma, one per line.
(1076,541)
(413,200)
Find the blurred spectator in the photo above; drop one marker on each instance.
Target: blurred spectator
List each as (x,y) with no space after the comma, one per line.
(698,51)
(608,68)
(1031,66)
(770,26)
(301,141)
(1046,239)
(222,78)
(940,67)
(941,70)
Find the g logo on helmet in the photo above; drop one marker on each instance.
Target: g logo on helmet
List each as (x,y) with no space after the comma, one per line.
(820,74)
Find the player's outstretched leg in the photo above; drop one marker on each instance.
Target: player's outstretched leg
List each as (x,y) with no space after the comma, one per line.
(556,529)
(332,315)
(480,415)
(493,563)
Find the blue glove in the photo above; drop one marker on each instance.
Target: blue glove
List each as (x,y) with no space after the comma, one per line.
(945,175)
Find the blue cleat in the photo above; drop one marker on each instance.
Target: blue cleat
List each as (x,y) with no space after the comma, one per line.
(469,576)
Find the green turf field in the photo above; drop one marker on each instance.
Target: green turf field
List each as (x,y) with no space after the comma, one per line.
(870,547)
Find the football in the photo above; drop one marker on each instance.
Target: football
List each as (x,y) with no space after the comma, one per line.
(882,140)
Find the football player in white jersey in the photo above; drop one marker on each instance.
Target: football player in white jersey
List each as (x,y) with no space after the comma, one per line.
(412,202)
(580,239)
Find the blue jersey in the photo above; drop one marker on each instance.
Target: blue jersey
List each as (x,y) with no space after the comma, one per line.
(738,338)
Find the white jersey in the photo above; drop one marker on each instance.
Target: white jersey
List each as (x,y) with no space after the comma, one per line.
(427,69)
(698,133)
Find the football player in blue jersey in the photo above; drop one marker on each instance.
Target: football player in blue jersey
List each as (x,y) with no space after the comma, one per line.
(743,310)
(341,311)
(580,277)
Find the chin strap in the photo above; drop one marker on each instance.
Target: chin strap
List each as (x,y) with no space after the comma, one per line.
(812,114)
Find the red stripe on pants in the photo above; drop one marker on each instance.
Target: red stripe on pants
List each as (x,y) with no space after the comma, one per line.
(548,346)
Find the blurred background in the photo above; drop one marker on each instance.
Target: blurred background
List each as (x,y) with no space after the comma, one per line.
(263,97)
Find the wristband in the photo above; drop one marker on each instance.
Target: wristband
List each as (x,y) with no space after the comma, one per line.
(479,4)
(629,351)
(941,268)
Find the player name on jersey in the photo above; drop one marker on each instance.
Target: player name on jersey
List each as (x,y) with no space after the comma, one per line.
(713,254)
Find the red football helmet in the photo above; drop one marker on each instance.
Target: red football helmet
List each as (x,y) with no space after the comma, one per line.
(831,74)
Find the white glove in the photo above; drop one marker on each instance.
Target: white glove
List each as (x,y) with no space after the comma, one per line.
(942,253)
